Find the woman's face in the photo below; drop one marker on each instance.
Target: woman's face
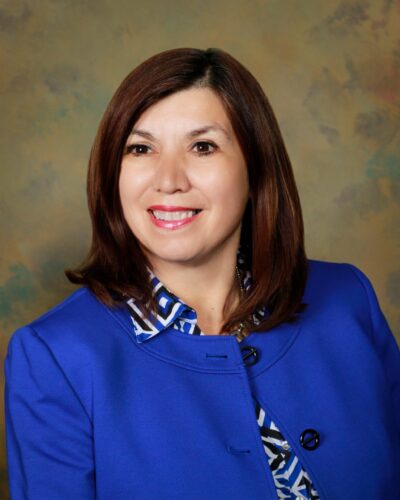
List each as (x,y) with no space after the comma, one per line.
(183,183)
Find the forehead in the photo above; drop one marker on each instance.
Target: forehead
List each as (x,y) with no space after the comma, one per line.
(194,106)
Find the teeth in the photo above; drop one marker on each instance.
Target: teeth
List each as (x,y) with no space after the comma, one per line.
(160,215)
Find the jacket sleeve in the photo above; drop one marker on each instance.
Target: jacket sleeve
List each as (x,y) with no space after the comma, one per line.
(48,431)
(383,340)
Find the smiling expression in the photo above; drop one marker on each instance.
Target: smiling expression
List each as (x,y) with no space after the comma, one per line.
(183,183)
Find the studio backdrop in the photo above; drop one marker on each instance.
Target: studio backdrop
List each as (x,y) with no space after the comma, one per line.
(331,71)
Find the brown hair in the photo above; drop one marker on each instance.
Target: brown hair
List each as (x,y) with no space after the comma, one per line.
(272,231)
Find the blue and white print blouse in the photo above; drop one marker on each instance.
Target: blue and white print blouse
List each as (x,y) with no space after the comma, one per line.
(291,480)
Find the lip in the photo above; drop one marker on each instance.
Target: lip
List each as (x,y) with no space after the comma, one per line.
(171,224)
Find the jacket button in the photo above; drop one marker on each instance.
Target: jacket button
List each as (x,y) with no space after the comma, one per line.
(309,439)
(250,353)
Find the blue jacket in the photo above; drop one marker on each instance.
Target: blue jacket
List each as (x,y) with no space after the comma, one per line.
(92,413)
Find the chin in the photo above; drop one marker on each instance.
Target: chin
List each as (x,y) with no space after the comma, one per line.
(173,252)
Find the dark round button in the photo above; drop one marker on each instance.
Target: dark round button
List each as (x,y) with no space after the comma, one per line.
(309,439)
(249,353)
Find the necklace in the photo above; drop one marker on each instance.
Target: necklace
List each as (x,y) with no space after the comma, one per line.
(241,332)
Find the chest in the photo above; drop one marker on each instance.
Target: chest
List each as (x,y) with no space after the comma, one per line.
(181,415)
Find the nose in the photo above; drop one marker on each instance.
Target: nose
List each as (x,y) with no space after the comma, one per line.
(170,175)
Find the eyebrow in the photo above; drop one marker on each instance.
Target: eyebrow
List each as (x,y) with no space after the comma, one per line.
(193,133)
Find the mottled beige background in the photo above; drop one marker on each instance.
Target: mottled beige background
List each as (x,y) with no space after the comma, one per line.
(331,70)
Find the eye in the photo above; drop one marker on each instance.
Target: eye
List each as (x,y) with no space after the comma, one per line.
(205,147)
(138,149)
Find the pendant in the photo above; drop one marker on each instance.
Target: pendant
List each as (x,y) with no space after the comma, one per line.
(240,333)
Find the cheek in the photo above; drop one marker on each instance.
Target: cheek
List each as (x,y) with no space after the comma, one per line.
(228,186)
(123,187)
(129,203)
(131,186)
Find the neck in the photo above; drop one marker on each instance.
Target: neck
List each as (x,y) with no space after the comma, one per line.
(216,286)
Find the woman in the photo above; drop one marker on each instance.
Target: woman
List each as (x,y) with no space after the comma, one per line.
(205,357)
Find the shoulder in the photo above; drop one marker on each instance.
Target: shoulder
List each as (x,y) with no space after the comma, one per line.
(74,312)
(80,302)
(77,327)
(342,301)
(338,273)
(328,280)
(80,311)
(70,342)
(341,291)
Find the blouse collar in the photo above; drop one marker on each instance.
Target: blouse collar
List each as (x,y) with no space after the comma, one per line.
(172,312)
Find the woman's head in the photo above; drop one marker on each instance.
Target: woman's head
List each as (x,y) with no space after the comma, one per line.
(183,182)
(271,229)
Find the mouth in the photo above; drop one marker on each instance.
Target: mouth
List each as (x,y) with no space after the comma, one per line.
(178,215)
(171,217)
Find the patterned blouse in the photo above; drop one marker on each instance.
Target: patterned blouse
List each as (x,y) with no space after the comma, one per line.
(291,480)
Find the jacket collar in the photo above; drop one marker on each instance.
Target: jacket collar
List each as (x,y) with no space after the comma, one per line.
(218,353)
(212,353)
